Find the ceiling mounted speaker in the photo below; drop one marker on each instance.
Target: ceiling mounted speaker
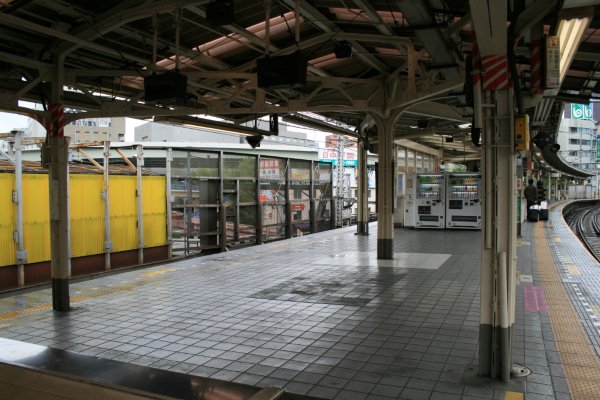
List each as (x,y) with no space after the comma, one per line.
(254,141)
(281,72)
(423,123)
(219,13)
(169,87)
(342,50)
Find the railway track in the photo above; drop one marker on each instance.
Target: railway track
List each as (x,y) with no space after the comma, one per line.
(585,222)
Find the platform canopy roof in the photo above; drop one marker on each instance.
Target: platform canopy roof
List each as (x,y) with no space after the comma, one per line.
(404,54)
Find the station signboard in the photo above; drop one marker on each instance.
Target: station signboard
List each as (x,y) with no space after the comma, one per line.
(581,111)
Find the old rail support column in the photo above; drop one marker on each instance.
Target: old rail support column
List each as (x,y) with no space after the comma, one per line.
(498,255)
(259,206)
(363,188)
(385,189)
(58,180)
(311,197)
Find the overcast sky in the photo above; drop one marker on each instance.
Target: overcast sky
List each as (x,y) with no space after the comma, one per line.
(9,121)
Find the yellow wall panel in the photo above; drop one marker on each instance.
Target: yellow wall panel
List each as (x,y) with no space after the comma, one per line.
(154,208)
(87,214)
(123,212)
(36,217)
(8,218)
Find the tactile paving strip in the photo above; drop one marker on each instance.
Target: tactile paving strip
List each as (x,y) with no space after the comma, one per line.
(580,364)
(150,278)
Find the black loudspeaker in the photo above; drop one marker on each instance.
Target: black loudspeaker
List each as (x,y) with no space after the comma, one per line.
(254,141)
(342,50)
(281,72)
(219,13)
(274,124)
(423,124)
(468,85)
(169,87)
(475,135)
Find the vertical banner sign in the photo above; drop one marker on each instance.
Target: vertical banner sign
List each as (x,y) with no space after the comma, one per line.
(581,111)
(552,69)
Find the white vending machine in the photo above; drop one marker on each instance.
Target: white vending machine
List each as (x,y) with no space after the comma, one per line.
(429,201)
(463,206)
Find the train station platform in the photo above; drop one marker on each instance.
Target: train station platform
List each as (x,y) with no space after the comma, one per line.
(320,315)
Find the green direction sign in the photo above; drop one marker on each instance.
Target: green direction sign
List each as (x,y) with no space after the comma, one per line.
(581,111)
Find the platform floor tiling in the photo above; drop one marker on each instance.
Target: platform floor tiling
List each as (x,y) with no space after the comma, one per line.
(316,314)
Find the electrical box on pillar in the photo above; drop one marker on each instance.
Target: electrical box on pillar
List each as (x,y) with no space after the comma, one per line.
(521,132)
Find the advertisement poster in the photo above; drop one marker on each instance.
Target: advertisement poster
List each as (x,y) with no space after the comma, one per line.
(330,155)
(270,169)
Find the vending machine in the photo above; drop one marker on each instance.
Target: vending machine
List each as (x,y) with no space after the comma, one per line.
(429,201)
(463,206)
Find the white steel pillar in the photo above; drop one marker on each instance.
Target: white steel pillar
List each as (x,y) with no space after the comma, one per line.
(385,188)
(106,197)
(21,253)
(498,277)
(140,203)
(363,189)
(498,253)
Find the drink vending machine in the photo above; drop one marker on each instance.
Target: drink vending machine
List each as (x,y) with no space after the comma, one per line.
(463,208)
(429,201)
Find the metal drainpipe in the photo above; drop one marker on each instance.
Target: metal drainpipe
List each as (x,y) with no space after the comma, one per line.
(106,197)
(169,199)
(140,203)
(504,318)
(21,253)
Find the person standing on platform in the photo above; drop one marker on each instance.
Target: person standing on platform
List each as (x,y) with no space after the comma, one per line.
(530,194)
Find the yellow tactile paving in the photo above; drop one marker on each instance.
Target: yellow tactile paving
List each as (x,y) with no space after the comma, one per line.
(157,272)
(153,277)
(573,269)
(513,396)
(579,360)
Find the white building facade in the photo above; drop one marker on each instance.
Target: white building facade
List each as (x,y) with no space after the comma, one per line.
(578,139)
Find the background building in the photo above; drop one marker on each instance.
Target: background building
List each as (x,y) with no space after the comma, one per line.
(578,138)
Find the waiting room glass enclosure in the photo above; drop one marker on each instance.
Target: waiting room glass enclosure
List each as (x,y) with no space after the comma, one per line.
(221,200)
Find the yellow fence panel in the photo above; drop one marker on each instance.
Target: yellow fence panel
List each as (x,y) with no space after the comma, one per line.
(7,220)
(154,208)
(87,214)
(123,212)
(36,217)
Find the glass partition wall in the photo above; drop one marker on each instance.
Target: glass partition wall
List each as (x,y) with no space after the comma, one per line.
(222,200)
